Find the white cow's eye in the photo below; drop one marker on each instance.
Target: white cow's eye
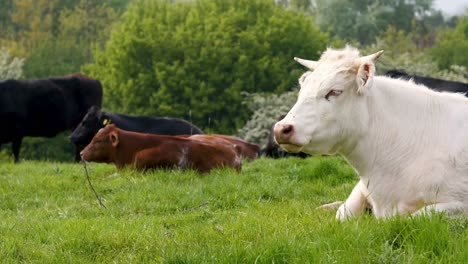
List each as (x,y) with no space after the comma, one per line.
(333,93)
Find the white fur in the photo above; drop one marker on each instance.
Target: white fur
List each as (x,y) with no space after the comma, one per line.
(408,144)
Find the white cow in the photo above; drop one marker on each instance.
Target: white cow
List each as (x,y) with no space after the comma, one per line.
(409,144)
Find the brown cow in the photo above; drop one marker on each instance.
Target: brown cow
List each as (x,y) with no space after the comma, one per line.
(148,151)
(247,150)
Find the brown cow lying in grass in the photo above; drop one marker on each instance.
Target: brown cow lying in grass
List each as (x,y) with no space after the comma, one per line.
(148,151)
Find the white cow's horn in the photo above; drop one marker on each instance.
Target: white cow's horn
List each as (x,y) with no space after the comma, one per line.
(307,63)
(372,57)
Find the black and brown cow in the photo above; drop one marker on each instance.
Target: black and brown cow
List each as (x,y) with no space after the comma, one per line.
(96,119)
(148,151)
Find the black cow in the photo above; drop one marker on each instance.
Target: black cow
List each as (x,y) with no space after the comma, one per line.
(433,83)
(273,150)
(96,119)
(44,107)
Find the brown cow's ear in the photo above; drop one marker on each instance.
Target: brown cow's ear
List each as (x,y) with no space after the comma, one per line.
(114,138)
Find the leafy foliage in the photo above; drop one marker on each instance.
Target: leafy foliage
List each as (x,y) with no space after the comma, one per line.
(451,45)
(55,57)
(57,148)
(455,73)
(304,5)
(33,21)
(89,22)
(10,67)
(192,59)
(5,22)
(401,52)
(85,25)
(363,20)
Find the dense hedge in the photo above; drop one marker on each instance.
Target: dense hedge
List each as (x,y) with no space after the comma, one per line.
(192,59)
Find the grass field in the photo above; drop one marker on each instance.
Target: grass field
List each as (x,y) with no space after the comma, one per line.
(265,214)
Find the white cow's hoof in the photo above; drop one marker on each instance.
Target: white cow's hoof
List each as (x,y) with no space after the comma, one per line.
(344,213)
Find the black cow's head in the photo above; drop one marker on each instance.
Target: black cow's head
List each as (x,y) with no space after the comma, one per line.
(94,120)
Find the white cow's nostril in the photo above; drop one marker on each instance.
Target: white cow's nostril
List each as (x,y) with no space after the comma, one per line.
(287,129)
(283,133)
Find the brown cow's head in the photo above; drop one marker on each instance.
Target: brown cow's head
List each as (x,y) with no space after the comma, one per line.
(102,146)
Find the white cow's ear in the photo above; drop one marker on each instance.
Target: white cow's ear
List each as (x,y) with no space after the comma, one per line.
(366,71)
(303,77)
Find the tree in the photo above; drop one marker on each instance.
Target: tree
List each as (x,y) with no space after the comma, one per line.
(57,34)
(118,5)
(33,22)
(451,46)
(87,24)
(401,52)
(364,20)
(304,5)
(5,22)
(192,59)
(56,57)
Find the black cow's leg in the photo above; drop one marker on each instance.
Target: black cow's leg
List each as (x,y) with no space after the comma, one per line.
(77,154)
(16,145)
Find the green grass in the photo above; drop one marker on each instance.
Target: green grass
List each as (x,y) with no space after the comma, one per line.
(265,214)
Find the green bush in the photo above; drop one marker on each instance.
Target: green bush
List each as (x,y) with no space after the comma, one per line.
(451,46)
(192,59)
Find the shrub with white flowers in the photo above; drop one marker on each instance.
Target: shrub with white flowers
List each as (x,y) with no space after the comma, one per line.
(10,67)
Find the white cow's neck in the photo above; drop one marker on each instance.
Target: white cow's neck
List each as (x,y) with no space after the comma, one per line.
(401,115)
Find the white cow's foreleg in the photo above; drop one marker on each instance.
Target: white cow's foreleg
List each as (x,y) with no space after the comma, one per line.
(451,209)
(355,204)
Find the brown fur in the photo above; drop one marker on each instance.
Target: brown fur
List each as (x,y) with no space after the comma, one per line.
(245,149)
